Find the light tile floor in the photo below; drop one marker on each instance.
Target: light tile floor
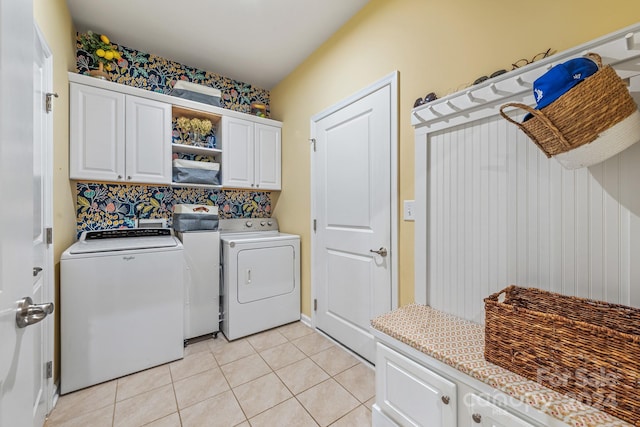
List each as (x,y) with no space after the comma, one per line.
(288,376)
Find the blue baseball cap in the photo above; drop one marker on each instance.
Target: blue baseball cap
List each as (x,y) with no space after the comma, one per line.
(559,79)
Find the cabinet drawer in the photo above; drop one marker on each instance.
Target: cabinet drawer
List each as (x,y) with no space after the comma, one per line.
(486,414)
(412,395)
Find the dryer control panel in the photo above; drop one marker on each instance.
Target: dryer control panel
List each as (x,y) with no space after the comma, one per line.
(238,225)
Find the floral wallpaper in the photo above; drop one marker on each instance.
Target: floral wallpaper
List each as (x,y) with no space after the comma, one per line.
(107,206)
(146,71)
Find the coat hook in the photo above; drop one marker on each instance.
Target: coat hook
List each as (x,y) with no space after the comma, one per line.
(470,97)
(493,88)
(629,41)
(522,83)
(450,105)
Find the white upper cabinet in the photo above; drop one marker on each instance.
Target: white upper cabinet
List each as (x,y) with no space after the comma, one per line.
(267,157)
(97,134)
(118,137)
(237,163)
(148,141)
(252,155)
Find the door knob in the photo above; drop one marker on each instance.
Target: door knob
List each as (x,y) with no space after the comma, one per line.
(477,418)
(29,313)
(382,252)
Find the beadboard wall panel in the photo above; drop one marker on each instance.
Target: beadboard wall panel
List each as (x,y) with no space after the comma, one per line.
(491,210)
(501,213)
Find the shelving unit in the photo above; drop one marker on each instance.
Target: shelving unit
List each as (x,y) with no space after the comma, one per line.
(237,153)
(215,153)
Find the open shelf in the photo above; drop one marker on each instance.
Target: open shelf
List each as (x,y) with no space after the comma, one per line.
(188,112)
(188,185)
(192,149)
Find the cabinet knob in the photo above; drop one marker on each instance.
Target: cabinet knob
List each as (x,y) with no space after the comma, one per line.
(119,176)
(445,399)
(477,418)
(129,178)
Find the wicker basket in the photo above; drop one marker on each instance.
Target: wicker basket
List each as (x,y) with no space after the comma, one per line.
(582,116)
(587,349)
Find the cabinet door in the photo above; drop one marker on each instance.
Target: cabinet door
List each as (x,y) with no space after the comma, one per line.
(238,153)
(412,395)
(148,146)
(97,134)
(267,157)
(486,414)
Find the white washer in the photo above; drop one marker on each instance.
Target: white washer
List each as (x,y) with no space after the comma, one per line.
(261,276)
(121,302)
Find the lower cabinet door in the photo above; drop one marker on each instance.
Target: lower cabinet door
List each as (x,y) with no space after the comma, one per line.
(486,414)
(410,394)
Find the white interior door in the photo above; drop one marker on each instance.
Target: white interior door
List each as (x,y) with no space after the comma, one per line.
(16,161)
(352,208)
(42,286)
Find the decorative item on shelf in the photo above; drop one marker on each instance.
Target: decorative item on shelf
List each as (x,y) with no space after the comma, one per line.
(102,51)
(258,109)
(184,125)
(584,113)
(200,128)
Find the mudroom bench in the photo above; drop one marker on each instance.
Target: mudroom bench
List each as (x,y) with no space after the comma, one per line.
(431,371)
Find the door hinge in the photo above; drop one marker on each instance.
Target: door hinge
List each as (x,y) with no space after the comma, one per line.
(49,369)
(313,141)
(315,304)
(48,104)
(314,225)
(48,235)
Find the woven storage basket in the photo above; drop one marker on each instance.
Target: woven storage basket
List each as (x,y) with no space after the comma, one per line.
(581,116)
(587,349)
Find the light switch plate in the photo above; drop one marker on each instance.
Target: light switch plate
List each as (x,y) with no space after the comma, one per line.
(409,214)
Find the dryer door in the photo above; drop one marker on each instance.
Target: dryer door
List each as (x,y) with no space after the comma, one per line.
(265,272)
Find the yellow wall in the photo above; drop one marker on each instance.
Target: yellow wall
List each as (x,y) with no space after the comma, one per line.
(54,20)
(436,46)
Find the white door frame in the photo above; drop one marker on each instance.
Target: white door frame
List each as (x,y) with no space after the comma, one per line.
(48,294)
(390,80)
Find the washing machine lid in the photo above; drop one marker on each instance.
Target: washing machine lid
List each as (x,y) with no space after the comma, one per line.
(123,240)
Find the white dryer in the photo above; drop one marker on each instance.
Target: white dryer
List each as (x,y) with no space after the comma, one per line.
(260,276)
(121,304)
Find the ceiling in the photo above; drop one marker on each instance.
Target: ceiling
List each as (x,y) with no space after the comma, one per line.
(254,41)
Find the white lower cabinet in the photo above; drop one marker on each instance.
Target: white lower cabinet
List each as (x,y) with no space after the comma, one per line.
(485,414)
(410,394)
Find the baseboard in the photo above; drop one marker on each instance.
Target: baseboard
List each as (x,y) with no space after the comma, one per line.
(306,320)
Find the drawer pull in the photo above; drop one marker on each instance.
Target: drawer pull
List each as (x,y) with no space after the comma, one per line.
(477,418)
(445,399)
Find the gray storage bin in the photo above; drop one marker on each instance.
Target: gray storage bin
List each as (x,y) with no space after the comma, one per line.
(198,97)
(193,172)
(195,218)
